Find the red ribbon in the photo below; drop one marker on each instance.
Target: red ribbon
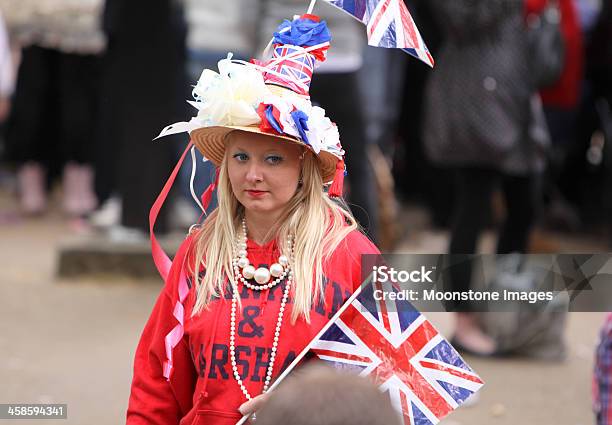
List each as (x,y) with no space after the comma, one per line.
(168,269)
(207,195)
(160,258)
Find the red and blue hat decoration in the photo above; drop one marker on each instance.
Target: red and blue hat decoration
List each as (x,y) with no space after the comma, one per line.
(297,46)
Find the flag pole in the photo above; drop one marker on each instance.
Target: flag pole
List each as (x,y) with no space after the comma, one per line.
(311,6)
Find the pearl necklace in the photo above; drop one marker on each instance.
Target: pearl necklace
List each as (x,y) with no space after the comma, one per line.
(243,270)
(279,323)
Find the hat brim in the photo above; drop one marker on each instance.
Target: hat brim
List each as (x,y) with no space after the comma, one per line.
(211,142)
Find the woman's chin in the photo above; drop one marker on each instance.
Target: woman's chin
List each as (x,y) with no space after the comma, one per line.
(257,205)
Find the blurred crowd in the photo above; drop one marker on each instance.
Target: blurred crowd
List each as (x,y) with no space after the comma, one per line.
(518,104)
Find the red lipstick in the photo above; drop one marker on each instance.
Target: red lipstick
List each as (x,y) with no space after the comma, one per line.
(256,193)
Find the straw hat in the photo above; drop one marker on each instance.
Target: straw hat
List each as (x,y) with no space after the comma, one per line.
(270,98)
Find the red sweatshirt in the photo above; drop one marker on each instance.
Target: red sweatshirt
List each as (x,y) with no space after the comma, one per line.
(202,388)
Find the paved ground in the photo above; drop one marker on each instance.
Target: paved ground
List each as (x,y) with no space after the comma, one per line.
(73,341)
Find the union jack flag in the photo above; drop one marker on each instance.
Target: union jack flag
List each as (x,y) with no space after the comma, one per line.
(292,68)
(389,24)
(394,344)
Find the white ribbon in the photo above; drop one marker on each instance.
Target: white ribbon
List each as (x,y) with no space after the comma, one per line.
(178,127)
(191,180)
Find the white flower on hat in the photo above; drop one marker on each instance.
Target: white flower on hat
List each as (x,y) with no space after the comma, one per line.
(229,97)
(322,133)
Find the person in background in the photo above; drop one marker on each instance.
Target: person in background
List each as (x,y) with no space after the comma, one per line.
(602,378)
(141,54)
(599,54)
(561,102)
(318,395)
(54,107)
(480,107)
(6,72)
(599,68)
(415,176)
(586,178)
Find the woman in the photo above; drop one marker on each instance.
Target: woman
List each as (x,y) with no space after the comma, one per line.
(251,287)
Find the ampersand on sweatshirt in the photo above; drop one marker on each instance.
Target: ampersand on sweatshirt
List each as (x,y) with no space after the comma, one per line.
(250,313)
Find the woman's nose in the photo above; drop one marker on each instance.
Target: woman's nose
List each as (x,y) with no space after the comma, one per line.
(254,173)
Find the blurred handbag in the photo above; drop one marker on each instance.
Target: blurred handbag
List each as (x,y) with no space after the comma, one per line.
(532,330)
(546,45)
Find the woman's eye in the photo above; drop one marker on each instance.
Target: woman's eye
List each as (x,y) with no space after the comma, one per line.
(241,157)
(274,159)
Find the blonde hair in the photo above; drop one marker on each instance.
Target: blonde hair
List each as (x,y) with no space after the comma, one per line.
(317,223)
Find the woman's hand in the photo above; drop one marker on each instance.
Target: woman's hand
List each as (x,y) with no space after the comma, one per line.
(253,405)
